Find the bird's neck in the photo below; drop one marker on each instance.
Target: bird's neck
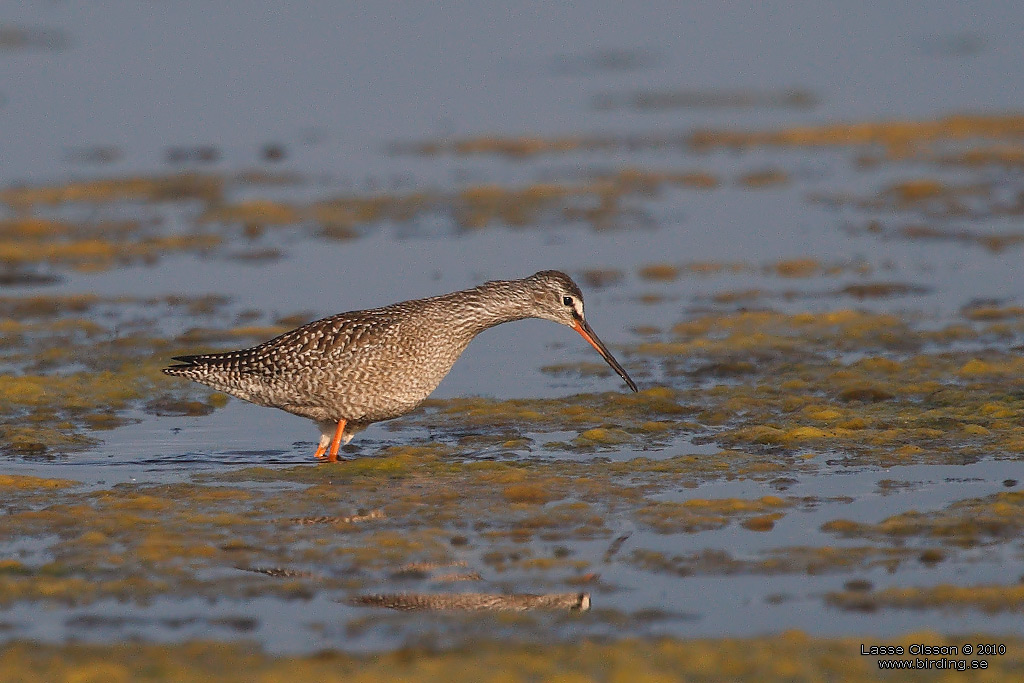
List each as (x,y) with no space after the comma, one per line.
(492,303)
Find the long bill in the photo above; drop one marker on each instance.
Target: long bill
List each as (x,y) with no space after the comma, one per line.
(583,328)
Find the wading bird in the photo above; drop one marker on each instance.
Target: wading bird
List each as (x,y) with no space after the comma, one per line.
(352,369)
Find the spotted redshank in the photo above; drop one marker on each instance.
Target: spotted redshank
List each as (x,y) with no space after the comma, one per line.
(352,369)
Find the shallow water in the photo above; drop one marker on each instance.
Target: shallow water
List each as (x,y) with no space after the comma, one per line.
(152,90)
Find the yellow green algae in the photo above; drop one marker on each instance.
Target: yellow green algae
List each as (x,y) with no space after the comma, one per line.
(1007,155)
(786,268)
(37,232)
(16,482)
(295,532)
(339,527)
(788,656)
(991,598)
(596,278)
(698,514)
(601,420)
(934,208)
(993,241)
(73,367)
(895,135)
(926,537)
(809,560)
(659,271)
(661,99)
(769,177)
(908,396)
(101,252)
(206,188)
(176,187)
(898,137)
(964,523)
(597,201)
(929,196)
(913,399)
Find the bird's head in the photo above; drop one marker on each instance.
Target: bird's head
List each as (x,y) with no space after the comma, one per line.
(557,298)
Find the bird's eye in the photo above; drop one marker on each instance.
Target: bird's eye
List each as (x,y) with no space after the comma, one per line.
(567,300)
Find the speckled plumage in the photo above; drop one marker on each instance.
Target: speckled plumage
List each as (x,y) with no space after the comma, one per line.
(366,366)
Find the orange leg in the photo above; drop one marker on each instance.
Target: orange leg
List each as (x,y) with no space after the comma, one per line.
(321,448)
(332,456)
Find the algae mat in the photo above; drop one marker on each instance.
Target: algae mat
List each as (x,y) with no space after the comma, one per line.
(790,656)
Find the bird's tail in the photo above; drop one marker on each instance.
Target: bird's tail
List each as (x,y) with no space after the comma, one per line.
(198,366)
(187,366)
